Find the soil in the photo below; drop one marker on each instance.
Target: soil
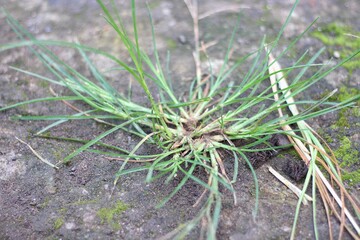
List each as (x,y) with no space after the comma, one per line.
(39,202)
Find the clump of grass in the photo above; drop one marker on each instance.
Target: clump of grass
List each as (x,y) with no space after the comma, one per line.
(195,132)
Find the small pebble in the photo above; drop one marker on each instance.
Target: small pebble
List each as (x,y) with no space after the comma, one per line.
(84,191)
(70,225)
(33,203)
(336,54)
(182,39)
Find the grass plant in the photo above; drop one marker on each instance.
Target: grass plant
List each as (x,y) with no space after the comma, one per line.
(196,133)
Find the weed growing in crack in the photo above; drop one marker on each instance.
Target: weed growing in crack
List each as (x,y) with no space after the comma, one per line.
(196,132)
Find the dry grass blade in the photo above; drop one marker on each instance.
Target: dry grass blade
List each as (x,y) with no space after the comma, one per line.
(131,160)
(308,154)
(291,186)
(37,154)
(220,7)
(192,5)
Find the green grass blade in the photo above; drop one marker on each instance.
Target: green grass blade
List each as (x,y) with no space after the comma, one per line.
(96,139)
(47,99)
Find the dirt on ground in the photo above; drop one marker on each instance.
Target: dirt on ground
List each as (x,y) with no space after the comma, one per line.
(78,200)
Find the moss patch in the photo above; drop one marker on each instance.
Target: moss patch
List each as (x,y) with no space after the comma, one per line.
(154,4)
(110,215)
(352,177)
(347,153)
(45,203)
(171,43)
(342,122)
(343,95)
(327,137)
(349,157)
(58,223)
(341,39)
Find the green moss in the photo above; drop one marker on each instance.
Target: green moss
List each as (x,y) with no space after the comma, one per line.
(292,152)
(343,95)
(153,4)
(44,84)
(171,43)
(356,111)
(352,177)
(346,153)
(45,203)
(342,122)
(62,210)
(338,38)
(349,157)
(327,137)
(108,214)
(58,223)
(333,34)
(58,154)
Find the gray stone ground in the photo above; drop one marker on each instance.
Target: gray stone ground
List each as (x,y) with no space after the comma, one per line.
(38,202)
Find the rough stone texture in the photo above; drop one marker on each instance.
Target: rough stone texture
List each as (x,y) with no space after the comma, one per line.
(34,197)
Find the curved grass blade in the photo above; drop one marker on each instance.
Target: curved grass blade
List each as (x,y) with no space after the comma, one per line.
(99,137)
